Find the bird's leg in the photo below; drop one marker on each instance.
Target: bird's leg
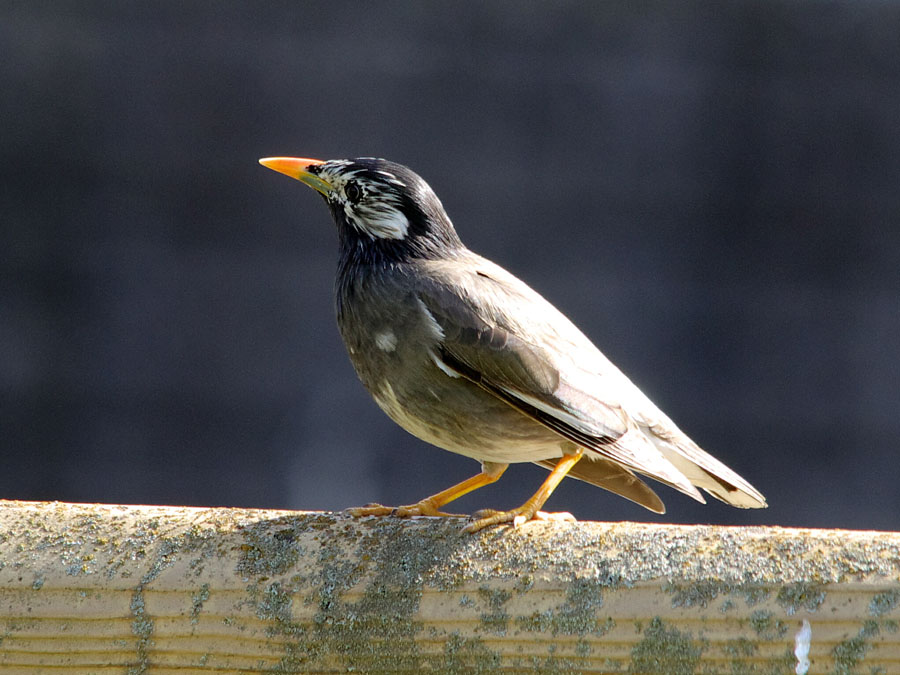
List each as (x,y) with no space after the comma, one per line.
(531,508)
(430,506)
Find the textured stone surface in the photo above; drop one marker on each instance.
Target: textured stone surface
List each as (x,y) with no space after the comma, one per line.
(141,587)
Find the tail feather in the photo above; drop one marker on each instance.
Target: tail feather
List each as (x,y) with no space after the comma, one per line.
(705,471)
(613,477)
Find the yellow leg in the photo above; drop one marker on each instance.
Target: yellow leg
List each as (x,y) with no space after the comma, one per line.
(531,508)
(430,506)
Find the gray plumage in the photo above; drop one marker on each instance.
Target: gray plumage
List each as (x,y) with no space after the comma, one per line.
(464,355)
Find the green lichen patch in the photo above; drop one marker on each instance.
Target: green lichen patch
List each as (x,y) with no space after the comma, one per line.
(703,593)
(496,620)
(552,664)
(524,583)
(142,628)
(197,600)
(666,651)
(387,574)
(742,662)
(697,594)
(753,594)
(274,604)
(465,655)
(741,648)
(265,553)
(576,616)
(849,653)
(766,626)
(808,596)
(884,603)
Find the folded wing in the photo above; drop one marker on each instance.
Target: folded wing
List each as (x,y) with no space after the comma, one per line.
(500,356)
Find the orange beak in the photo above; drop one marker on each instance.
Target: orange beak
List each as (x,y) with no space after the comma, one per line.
(298,168)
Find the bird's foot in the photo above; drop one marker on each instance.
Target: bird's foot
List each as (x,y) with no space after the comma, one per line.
(488,517)
(422,508)
(370,510)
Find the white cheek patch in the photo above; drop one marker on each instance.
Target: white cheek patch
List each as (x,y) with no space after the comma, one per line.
(378,213)
(379,221)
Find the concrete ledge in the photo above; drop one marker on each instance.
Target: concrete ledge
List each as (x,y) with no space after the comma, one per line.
(116,589)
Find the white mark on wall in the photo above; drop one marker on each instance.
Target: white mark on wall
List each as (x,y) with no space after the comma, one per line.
(801,648)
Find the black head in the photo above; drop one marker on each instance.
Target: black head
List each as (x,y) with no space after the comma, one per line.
(383,211)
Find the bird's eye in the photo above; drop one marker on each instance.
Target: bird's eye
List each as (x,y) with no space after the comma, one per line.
(353,192)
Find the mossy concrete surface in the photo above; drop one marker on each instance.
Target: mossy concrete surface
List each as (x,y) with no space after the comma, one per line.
(143,589)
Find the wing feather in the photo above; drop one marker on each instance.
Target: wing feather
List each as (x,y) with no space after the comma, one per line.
(527,377)
(506,338)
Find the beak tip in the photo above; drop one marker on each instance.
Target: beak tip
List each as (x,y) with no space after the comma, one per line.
(297,168)
(292,163)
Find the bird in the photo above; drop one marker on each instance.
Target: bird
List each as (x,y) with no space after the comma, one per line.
(467,357)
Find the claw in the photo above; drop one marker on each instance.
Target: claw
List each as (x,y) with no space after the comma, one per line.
(370,510)
(530,509)
(555,517)
(430,506)
(485,513)
(516,517)
(422,508)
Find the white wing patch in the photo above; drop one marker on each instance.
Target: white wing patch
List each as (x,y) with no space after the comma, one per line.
(386,340)
(562,415)
(436,330)
(438,334)
(443,366)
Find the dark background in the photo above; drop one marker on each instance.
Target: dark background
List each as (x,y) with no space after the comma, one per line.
(711,191)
